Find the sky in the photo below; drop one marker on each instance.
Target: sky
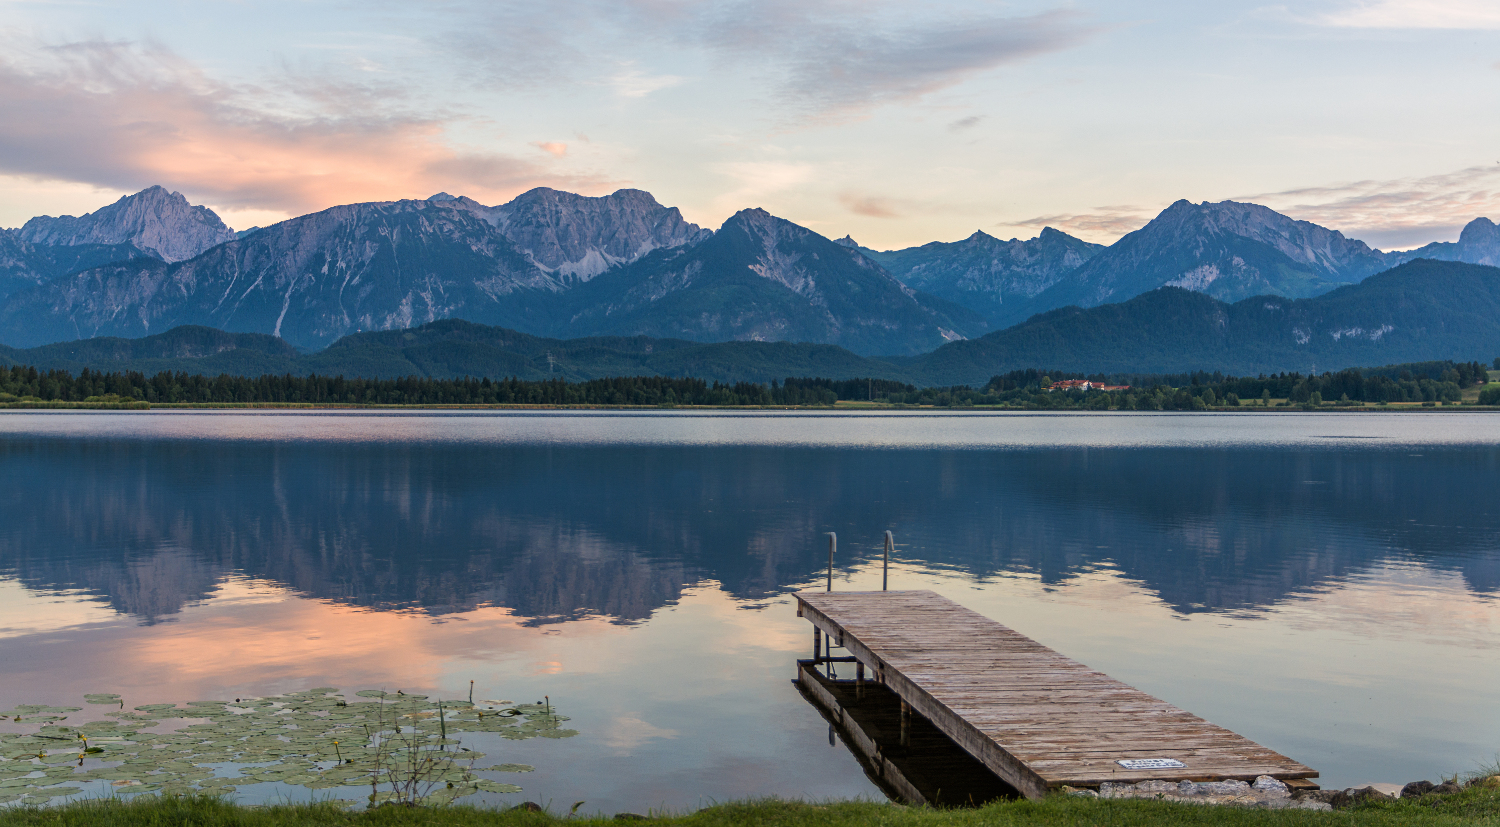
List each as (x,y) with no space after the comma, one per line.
(898,123)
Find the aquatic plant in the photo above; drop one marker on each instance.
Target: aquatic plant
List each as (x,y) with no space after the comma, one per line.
(400,747)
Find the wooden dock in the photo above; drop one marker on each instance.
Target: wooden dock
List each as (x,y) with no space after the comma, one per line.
(1036,719)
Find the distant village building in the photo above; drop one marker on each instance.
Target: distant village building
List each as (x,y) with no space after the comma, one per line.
(1085,385)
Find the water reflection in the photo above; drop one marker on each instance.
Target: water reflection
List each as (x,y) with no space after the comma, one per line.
(559,533)
(1327,596)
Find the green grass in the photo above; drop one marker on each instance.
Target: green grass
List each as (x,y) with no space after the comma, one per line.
(1474,806)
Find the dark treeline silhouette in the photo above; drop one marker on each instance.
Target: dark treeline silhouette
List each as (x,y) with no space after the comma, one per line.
(1464,374)
(1421,382)
(25,383)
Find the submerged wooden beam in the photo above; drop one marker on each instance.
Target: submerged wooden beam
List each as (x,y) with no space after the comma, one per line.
(1035,718)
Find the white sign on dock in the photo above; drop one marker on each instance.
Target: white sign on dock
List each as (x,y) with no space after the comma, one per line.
(1150,763)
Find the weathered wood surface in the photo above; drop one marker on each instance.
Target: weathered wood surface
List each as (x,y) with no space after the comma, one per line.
(1036,718)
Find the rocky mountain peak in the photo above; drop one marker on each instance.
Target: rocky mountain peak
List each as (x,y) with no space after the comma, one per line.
(1479,243)
(1480,231)
(154,220)
(769,233)
(761,277)
(987,275)
(579,237)
(1229,250)
(750,216)
(1194,225)
(847,241)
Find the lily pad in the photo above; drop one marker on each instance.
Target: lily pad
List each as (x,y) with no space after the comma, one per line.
(316,739)
(489,786)
(54,792)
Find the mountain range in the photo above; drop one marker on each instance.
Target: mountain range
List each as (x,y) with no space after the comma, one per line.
(557,265)
(997,279)
(1418,311)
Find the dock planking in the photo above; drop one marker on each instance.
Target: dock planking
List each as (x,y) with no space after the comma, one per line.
(1035,718)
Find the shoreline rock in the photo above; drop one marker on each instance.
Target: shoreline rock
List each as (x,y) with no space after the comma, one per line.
(1266,793)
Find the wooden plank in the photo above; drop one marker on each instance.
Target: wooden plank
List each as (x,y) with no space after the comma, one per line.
(1033,716)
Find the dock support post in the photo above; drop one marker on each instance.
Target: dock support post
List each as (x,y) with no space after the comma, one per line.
(905,725)
(885,570)
(833,543)
(817,644)
(859,680)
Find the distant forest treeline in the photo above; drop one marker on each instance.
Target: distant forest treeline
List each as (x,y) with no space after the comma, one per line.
(1418,382)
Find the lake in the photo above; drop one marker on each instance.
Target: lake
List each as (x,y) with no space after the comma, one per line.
(1324,584)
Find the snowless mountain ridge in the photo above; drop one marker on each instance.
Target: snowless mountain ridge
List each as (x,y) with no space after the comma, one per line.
(392,265)
(577,237)
(155,221)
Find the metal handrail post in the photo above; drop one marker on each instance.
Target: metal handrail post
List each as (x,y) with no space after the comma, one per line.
(885,571)
(833,543)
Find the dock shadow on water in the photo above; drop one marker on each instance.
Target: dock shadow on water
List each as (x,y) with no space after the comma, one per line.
(650,585)
(910,760)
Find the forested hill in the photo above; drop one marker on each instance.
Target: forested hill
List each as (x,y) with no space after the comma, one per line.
(451,349)
(1419,311)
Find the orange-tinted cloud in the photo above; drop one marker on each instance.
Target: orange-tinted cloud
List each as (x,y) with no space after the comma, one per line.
(873,206)
(557,148)
(1104,225)
(126,116)
(1397,213)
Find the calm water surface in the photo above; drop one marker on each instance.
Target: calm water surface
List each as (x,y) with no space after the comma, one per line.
(1323,584)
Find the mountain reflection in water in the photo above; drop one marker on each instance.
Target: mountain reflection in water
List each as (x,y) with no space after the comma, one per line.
(562,532)
(1328,595)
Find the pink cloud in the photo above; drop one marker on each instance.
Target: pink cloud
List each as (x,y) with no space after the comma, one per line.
(557,148)
(1395,213)
(124,116)
(1104,225)
(873,206)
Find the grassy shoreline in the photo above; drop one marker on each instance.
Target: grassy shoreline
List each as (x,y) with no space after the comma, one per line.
(841,406)
(1474,806)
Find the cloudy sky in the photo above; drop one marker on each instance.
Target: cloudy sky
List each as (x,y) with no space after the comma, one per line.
(898,122)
